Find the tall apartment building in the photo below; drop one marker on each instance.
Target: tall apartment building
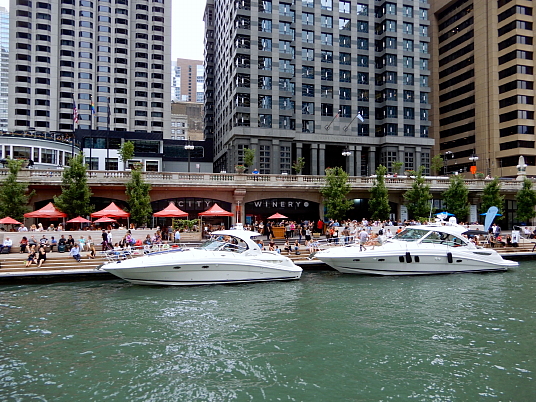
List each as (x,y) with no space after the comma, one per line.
(483,69)
(188,81)
(113,54)
(4,66)
(289,79)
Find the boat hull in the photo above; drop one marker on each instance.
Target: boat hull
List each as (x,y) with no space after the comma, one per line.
(414,262)
(190,269)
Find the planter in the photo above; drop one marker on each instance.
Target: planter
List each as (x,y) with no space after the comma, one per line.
(240,169)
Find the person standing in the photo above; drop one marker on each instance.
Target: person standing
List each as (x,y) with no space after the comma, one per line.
(75,252)
(177,236)
(41,255)
(104,240)
(363,238)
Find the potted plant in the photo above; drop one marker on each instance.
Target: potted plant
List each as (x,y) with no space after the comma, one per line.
(299,165)
(240,168)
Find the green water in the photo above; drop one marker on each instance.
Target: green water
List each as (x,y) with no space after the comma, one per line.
(327,337)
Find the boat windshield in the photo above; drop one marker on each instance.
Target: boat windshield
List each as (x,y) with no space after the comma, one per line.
(411,234)
(224,243)
(430,236)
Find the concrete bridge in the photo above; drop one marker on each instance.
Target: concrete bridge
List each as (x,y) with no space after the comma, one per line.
(241,189)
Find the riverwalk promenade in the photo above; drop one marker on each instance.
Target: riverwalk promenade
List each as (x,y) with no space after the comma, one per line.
(60,267)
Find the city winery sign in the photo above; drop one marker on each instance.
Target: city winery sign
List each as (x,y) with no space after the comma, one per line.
(281,204)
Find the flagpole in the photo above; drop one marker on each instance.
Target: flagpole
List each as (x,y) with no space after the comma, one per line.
(329,125)
(107,136)
(75,122)
(358,115)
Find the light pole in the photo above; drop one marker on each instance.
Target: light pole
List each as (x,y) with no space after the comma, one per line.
(447,155)
(346,153)
(189,148)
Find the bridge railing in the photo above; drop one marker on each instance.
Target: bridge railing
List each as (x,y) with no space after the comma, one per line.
(54,176)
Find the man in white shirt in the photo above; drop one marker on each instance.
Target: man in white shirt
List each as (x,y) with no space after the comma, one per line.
(363,238)
(7,244)
(22,228)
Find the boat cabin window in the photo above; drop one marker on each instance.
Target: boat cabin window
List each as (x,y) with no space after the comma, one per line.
(410,234)
(443,238)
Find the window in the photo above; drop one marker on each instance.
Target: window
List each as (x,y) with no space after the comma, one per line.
(345,58)
(265,25)
(361,9)
(308,72)
(308,90)
(345,41)
(390,26)
(408,62)
(344,7)
(326,5)
(408,28)
(326,74)
(326,21)
(390,8)
(286,103)
(308,108)
(326,39)
(285,66)
(407,11)
(345,76)
(362,26)
(265,120)
(326,92)
(362,43)
(265,44)
(327,56)
(308,36)
(308,19)
(345,93)
(308,54)
(265,63)
(308,126)
(345,24)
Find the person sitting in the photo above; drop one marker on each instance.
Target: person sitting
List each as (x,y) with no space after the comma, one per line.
(296,247)
(69,244)
(62,242)
(23,244)
(92,252)
(41,255)
(6,245)
(53,242)
(75,252)
(32,241)
(286,247)
(43,241)
(82,243)
(31,256)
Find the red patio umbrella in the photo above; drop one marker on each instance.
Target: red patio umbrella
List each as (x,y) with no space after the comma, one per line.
(111,210)
(171,211)
(216,210)
(9,221)
(79,219)
(48,211)
(278,216)
(104,219)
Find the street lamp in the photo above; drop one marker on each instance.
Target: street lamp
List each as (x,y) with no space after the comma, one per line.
(345,152)
(448,154)
(189,149)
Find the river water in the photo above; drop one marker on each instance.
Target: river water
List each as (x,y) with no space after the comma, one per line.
(327,337)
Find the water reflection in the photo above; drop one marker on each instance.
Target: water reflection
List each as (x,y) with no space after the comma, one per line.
(354,337)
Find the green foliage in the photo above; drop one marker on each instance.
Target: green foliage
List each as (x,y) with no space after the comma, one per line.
(75,194)
(14,195)
(126,152)
(491,197)
(418,197)
(395,167)
(437,163)
(299,165)
(335,192)
(249,156)
(379,196)
(139,200)
(456,198)
(526,200)
(183,224)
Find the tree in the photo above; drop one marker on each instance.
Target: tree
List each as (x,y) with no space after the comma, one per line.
(491,197)
(14,195)
(379,196)
(75,195)
(417,197)
(395,166)
(126,152)
(249,156)
(299,165)
(335,192)
(139,200)
(456,198)
(526,200)
(437,163)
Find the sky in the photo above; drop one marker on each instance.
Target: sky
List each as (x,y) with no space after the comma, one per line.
(187,24)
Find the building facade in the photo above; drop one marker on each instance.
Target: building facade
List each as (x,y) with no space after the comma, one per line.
(187,121)
(483,86)
(318,79)
(4,67)
(187,82)
(110,60)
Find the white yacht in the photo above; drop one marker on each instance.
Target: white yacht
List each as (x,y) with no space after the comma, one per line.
(417,250)
(230,256)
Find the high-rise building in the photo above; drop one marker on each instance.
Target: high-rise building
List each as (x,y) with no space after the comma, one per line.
(318,79)
(483,70)
(188,81)
(4,66)
(110,59)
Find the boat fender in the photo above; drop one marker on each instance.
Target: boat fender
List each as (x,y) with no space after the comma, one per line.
(408,257)
(449,258)
(401,258)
